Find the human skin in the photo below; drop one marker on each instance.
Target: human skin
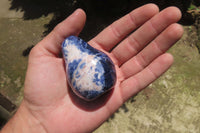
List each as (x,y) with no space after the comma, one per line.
(49,105)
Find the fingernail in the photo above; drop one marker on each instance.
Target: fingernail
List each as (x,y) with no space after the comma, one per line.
(76,12)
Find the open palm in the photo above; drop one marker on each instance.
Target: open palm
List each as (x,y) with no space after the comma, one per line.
(139,58)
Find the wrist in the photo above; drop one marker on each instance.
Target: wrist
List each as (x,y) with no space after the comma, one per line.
(23,122)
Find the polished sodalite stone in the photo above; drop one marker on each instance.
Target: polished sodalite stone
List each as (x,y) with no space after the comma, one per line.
(90,72)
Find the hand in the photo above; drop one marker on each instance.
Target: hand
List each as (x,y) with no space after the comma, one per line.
(139,57)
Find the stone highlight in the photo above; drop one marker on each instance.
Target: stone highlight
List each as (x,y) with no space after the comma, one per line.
(90,72)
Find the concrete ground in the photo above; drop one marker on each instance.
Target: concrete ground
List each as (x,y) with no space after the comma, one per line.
(171,104)
(16,35)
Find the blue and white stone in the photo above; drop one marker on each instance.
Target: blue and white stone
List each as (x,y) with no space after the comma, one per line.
(90,72)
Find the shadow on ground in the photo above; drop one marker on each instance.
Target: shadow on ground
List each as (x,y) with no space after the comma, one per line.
(100,13)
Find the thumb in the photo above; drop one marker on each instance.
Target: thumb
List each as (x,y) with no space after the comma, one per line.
(70,26)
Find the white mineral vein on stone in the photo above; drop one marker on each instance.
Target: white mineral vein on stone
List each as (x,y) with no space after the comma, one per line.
(85,81)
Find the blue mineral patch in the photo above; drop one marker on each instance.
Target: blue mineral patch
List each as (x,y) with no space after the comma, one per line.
(72,66)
